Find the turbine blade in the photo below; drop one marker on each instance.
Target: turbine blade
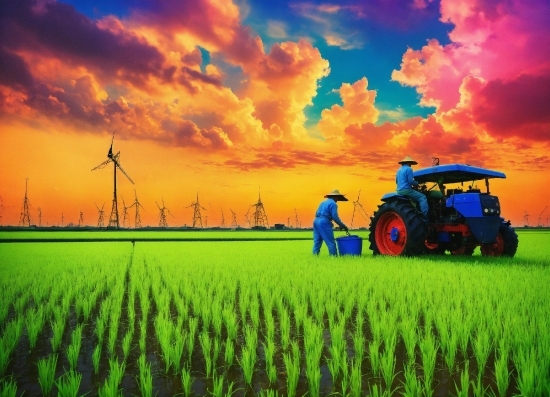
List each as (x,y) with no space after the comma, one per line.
(124,172)
(102,164)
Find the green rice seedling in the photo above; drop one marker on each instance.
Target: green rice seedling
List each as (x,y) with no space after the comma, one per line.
(96,356)
(116,370)
(463,390)
(230,322)
(113,332)
(269,393)
(142,335)
(502,374)
(177,349)
(284,324)
(247,363)
(58,328)
(229,354)
(292,367)
(412,386)
(126,341)
(109,388)
(35,322)
(8,388)
(482,347)
(206,345)
(68,384)
(270,369)
(428,349)
(410,338)
(255,312)
(46,373)
(387,367)
(477,387)
(344,382)
(74,348)
(355,378)
(359,345)
(374,357)
(526,365)
(145,378)
(193,324)
(216,348)
(186,381)
(450,353)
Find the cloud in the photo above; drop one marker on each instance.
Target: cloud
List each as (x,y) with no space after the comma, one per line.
(357,108)
(518,107)
(276,29)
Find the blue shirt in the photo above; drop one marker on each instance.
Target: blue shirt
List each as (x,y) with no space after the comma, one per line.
(328,209)
(404,178)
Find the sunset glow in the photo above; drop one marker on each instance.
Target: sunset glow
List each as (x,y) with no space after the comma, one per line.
(229,99)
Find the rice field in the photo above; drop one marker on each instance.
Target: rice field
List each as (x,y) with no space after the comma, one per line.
(266,318)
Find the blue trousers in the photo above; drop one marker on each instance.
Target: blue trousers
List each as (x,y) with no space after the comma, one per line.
(322,231)
(418,197)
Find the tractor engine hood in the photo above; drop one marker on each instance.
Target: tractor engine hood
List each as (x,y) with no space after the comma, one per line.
(481,213)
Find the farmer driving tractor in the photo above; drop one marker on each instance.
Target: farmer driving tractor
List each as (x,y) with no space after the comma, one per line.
(322,225)
(405,183)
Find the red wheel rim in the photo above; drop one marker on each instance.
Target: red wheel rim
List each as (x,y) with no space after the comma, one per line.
(495,249)
(390,234)
(431,246)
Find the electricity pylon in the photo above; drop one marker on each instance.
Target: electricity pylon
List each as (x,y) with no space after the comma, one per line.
(526,219)
(259,216)
(124,213)
(357,206)
(162,214)
(101,212)
(39,217)
(298,225)
(115,159)
(234,219)
(25,218)
(222,223)
(81,219)
(136,203)
(1,210)
(197,218)
(62,219)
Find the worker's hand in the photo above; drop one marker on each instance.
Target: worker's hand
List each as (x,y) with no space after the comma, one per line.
(344,228)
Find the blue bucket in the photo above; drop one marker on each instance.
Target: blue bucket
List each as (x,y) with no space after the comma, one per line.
(349,245)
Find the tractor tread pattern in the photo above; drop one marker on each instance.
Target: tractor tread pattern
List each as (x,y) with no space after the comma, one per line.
(416,228)
(510,240)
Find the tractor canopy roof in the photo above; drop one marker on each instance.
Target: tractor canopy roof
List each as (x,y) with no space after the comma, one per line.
(454,173)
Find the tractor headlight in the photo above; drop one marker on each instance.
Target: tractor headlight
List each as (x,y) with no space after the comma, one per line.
(486,210)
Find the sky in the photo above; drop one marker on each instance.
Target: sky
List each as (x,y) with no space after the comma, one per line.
(228,100)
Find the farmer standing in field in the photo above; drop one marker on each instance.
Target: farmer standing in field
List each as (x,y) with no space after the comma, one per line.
(322,225)
(405,182)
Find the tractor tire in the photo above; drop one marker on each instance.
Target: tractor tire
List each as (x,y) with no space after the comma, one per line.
(463,251)
(506,244)
(397,229)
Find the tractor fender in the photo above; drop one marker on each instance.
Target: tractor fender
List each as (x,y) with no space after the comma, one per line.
(394,196)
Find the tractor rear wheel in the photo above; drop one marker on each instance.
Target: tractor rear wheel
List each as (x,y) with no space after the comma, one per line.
(397,229)
(506,244)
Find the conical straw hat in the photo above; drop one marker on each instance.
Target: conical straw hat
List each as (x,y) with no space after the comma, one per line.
(407,159)
(336,194)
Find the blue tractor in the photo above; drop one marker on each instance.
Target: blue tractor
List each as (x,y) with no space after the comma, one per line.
(460,217)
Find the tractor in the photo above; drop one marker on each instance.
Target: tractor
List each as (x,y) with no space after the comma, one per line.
(459,218)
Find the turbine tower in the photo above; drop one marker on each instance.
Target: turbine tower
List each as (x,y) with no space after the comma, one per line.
(234,219)
(259,215)
(39,217)
(25,218)
(526,219)
(136,203)
(162,214)
(297,223)
(62,219)
(197,218)
(101,216)
(115,159)
(81,219)
(539,223)
(1,210)
(359,208)
(222,224)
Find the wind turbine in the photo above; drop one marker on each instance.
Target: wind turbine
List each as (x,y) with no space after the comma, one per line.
(539,223)
(115,159)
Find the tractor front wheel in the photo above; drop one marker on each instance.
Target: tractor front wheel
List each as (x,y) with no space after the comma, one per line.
(505,245)
(397,229)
